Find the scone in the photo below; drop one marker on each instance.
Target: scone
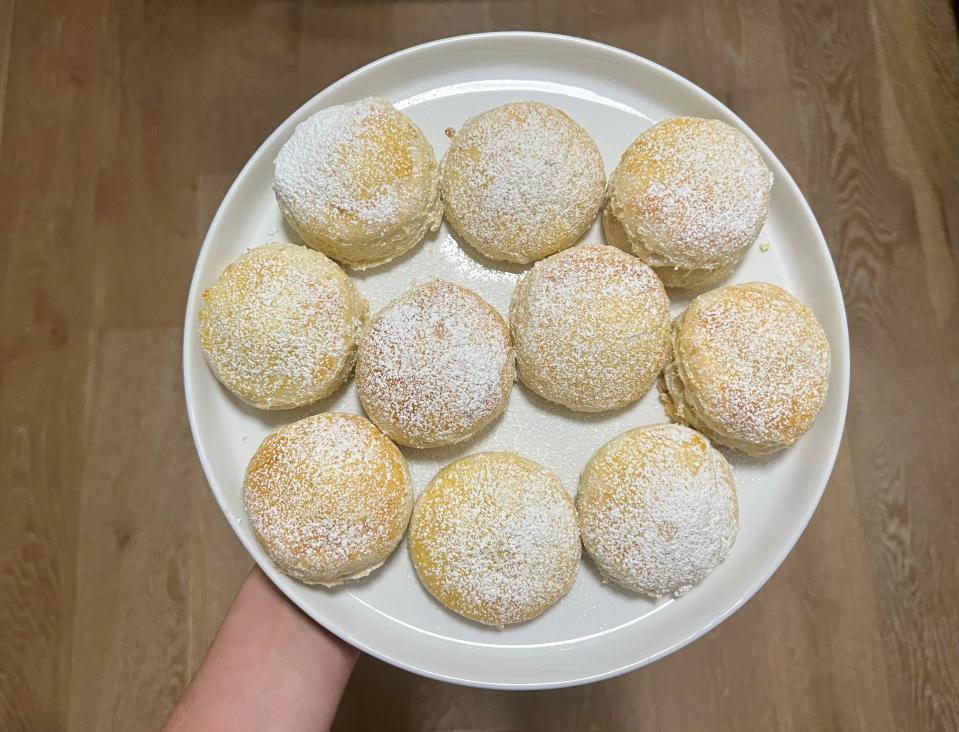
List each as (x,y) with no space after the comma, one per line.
(435,366)
(328,497)
(591,328)
(279,327)
(494,538)
(522,181)
(658,509)
(750,367)
(689,197)
(359,182)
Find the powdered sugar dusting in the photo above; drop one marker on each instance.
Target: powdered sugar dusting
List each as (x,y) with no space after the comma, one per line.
(279,326)
(752,366)
(691,193)
(658,509)
(591,327)
(435,365)
(359,182)
(313,173)
(328,496)
(495,538)
(522,181)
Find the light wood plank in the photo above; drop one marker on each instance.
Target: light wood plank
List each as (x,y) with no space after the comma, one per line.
(132,615)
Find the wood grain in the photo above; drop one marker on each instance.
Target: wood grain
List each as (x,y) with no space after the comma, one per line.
(122,124)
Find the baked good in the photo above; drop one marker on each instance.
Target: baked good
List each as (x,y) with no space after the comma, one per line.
(279,327)
(591,328)
(522,181)
(359,182)
(494,538)
(689,198)
(658,509)
(435,365)
(750,367)
(328,498)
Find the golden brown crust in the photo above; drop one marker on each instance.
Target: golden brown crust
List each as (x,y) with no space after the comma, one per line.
(435,366)
(591,328)
(522,181)
(359,182)
(671,277)
(494,538)
(328,497)
(279,326)
(690,196)
(658,509)
(750,367)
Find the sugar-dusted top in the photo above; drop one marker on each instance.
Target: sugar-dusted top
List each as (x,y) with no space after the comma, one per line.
(279,326)
(435,365)
(522,181)
(358,176)
(755,362)
(658,509)
(692,192)
(591,327)
(494,537)
(328,496)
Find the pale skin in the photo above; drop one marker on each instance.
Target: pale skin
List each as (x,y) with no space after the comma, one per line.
(270,667)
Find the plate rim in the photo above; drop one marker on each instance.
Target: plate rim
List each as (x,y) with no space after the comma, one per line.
(841,349)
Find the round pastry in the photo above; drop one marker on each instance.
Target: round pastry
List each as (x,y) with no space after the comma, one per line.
(658,509)
(435,366)
(689,198)
(328,497)
(591,328)
(494,538)
(522,181)
(279,327)
(750,367)
(359,182)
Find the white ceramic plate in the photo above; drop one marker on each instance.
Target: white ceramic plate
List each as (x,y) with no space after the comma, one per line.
(597,630)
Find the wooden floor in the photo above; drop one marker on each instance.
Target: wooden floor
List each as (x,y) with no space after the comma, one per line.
(123,123)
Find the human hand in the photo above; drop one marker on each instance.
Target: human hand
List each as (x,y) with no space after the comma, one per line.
(270,667)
